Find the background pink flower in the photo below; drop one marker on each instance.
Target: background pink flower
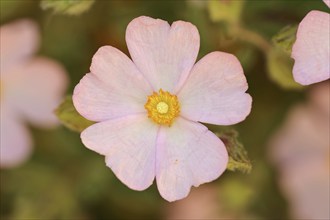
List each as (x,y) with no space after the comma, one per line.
(31,88)
(300,151)
(120,95)
(202,203)
(311,50)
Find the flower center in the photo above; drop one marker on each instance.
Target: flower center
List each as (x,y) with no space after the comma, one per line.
(162,107)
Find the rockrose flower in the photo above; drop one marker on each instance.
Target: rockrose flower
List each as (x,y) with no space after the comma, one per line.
(311,50)
(300,151)
(31,87)
(148,109)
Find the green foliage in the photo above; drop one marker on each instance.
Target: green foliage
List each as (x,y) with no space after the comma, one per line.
(69,7)
(280,66)
(8,7)
(69,116)
(224,10)
(238,158)
(41,193)
(285,38)
(235,194)
(279,62)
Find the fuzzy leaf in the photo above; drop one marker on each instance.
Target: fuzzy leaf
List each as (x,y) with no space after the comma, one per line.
(238,158)
(69,116)
(279,61)
(280,66)
(69,7)
(286,38)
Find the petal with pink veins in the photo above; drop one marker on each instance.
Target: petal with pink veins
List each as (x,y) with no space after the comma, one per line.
(215,91)
(114,88)
(164,54)
(15,141)
(18,40)
(129,144)
(35,89)
(311,51)
(188,154)
(327,2)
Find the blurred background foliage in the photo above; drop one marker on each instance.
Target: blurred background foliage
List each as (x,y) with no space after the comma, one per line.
(64,180)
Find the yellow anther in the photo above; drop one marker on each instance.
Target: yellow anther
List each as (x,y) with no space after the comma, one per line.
(162,107)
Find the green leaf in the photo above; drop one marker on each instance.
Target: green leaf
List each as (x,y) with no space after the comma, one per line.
(279,61)
(224,10)
(69,116)
(285,38)
(238,158)
(69,7)
(280,65)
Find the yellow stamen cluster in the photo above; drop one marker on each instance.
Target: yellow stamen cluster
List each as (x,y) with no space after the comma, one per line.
(162,107)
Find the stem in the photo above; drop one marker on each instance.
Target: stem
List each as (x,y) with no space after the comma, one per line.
(253,38)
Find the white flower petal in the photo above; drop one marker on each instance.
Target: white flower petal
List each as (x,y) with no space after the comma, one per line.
(300,151)
(202,203)
(188,154)
(311,50)
(307,190)
(18,40)
(129,144)
(114,88)
(302,138)
(35,89)
(164,54)
(320,96)
(15,141)
(215,91)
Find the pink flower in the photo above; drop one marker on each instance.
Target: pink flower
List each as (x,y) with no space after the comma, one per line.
(202,203)
(148,110)
(300,150)
(311,50)
(30,90)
